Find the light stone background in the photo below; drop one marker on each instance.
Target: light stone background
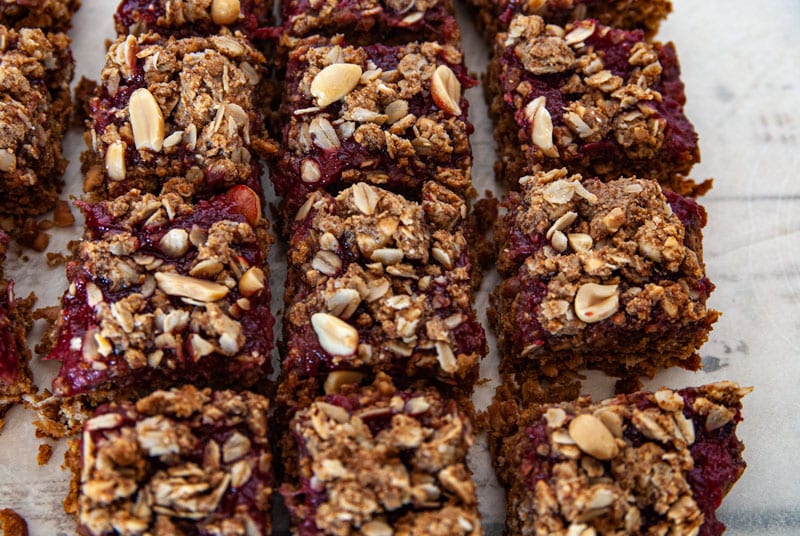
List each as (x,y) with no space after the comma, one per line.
(741,66)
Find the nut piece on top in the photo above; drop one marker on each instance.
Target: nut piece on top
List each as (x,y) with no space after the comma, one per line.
(598,100)
(381,461)
(183,461)
(599,275)
(166,292)
(644,463)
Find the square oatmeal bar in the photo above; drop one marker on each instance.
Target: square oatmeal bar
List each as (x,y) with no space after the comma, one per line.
(185,461)
(493,16)
(165,292)
(381,461)
(390,22)
(600,275)
(192,18)
(35,106)
(188,108)
(48,15)
(392,116)
(644,463)
(598,100)
(378,283)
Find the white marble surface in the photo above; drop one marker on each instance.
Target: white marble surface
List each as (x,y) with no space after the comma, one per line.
(741,66)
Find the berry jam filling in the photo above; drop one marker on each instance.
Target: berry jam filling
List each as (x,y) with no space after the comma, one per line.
(79,321)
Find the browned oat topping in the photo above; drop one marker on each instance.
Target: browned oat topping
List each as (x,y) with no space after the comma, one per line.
(623,465)
(419,19)
(609,102)
(382,279)
(195,95)
(177,460)
(385,462)
(188,17)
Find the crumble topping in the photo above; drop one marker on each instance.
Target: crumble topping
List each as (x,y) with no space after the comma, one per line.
(49,15)
(621,465)
(174,460)
(380,461)
(167,285)
(36,70)
(607,247)
(178,107)
(322,16)
(387,108)
(393,276)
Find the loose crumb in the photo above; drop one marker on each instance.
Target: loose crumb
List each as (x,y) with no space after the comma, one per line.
(45,453)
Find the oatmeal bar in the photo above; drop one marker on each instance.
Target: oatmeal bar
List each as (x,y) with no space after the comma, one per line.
(597,100)
(167,108)
(164,293)
(49,15)
(391,116)
(381,461)
(191,18)
(493,16)
(184,461)
(391,22)
(645,463)
(15,374)
(601,275)
(377,283)
(35,104)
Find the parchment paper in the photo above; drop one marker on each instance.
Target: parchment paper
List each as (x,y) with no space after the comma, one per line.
(741,67)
